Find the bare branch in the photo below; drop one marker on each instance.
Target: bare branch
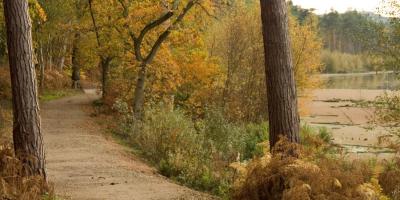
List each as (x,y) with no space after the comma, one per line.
(125,8)
(96,30)
(138,41)
(167,32)
(206,11)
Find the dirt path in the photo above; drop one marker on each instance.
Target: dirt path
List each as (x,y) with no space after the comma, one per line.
(83,164)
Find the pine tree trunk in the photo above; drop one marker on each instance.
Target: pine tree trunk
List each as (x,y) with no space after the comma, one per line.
(28,142)
(281,89)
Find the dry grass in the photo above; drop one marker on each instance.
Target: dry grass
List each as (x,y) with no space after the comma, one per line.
(54,79)
(5,84)
(13,185)
(389,179)
(289,175)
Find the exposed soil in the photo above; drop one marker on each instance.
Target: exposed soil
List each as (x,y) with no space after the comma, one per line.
(83,164)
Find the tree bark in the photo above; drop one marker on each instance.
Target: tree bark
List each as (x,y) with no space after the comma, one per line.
(64,51)
(104,60)
(49,54)
(105,67)
(76,74)
(42,66)
(28,141)
(138,100)
(281,90)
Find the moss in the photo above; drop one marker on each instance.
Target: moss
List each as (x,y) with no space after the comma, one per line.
(50,95)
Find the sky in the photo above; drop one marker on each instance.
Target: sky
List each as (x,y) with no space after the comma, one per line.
(324,6)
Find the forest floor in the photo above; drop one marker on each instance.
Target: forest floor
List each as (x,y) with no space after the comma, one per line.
(83,164)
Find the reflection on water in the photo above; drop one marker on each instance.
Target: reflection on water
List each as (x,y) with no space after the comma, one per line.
(362,81)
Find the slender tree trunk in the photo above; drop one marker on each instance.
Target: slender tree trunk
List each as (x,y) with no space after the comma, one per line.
(104,60)
(50,60)
(41,85)
(138,100)
(62,60)
(28,142)
(281,89)
(105,66)
(76,74)
(226,90)
(42,66)
(49,54)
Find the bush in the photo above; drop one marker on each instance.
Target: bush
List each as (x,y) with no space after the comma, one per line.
(195,153)
(54,80)
(216,155)
(290,176)
(389,179)
(14,186)
(316,141)
(233,140)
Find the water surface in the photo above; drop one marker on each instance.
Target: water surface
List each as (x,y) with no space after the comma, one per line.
(371,81)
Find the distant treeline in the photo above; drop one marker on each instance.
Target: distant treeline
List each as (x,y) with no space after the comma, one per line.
(349,38)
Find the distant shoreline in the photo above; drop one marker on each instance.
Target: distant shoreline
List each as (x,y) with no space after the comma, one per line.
(355,74)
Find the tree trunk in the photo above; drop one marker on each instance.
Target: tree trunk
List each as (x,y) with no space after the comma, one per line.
(138,100)
(281,90)
(50,54)
(42,66)
(76,74)
(28,142)
(62,60)
(105,66)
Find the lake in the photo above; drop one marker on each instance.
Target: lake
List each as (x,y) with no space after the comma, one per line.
(387,81)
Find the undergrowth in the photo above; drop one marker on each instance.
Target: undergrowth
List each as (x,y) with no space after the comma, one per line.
(288,176)
(233,161)
(14,185)
(390,179)
(195,153)
(206,153)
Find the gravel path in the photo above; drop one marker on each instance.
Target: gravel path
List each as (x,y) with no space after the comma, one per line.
(83,164)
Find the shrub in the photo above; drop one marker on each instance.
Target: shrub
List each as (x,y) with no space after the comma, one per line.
(289,174)
(316,141)
(234,140)
(15,186)
(389,179)
(55,79)
(195,153)
(325,135)
(170,140)
(256,134)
